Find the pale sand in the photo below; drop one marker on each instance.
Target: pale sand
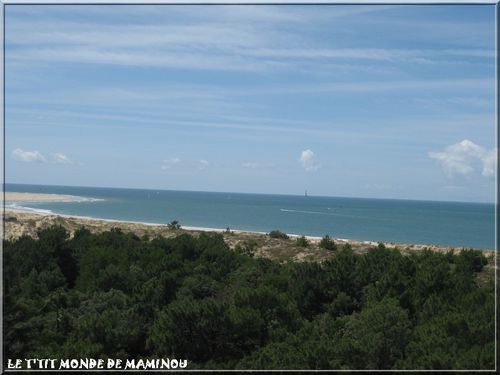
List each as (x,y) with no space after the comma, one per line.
(27,223)
(36,197)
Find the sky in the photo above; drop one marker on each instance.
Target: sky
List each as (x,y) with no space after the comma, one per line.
(360,101)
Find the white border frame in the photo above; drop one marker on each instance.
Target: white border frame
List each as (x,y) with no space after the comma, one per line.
(3,3)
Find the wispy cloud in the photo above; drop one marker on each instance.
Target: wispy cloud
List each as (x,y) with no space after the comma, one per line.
(203,164)
(169,163)
(28,156)
(36,156)
(251,165)
(144,58)
(380,54)
(60,158)
(232,59)
(258,165)
(472,84)
(235,40)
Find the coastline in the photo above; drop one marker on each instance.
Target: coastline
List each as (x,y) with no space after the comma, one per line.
(27,222)
(11,211)
(17,197)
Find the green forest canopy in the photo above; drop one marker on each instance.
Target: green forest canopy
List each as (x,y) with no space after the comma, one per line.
(115,295)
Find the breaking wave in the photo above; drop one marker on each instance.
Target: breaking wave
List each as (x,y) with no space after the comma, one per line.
(29,209)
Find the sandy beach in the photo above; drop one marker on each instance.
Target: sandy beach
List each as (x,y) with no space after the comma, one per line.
(36,197)
(20,222)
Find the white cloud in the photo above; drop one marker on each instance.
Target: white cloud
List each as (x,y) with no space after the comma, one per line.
(59,158)
(308,161)
(168,163)
(466,157)
(35,156)
(204,163)
(256,165)
(28,156)
(490,163)
(250,165)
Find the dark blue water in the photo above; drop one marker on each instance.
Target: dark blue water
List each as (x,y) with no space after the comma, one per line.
(388,220)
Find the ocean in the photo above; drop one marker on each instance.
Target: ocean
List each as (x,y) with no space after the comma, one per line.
(386,220)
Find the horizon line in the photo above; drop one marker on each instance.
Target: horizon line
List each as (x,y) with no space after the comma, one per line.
(248,193)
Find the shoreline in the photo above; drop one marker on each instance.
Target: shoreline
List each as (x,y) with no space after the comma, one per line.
(145,226)
(21,197)
(43,212)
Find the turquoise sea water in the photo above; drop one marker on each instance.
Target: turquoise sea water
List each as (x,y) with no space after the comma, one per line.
(388,220)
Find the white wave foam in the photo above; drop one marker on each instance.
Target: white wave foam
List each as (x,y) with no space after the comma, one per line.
(78,199)
(325,213)
(15,206)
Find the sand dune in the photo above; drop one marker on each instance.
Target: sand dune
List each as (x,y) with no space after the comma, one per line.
(19,223)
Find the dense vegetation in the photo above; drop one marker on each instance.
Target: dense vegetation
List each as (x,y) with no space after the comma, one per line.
(120,296)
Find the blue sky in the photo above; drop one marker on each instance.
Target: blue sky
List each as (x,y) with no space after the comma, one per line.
(367,101)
